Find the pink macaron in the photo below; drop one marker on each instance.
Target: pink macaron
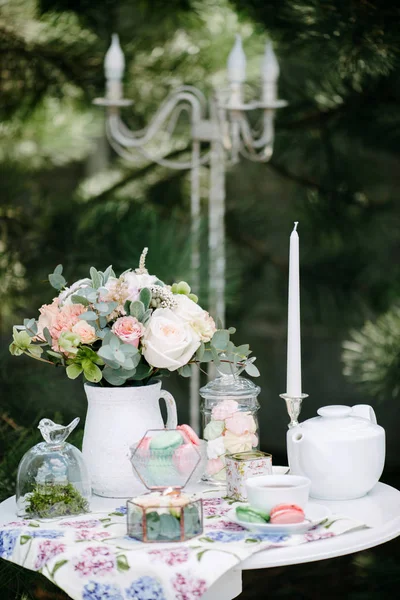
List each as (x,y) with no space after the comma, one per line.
(184,458)
(190,434)
(286,514)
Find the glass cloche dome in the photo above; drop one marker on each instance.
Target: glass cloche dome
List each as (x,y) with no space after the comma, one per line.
(52,479)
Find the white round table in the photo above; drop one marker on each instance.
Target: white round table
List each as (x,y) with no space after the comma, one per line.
(380,510)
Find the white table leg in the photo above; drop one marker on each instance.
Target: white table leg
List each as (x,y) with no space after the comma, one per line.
(226,587)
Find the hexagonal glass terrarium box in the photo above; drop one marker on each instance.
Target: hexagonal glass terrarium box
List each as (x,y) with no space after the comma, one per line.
(164,460)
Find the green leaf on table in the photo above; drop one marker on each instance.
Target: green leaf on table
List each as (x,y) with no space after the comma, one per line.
(58,565)
(24,539)
(122,563)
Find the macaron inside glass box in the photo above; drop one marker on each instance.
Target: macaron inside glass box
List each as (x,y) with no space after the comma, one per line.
(164,460)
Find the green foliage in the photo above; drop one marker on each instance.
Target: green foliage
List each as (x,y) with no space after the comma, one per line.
(55,500)
(372,356)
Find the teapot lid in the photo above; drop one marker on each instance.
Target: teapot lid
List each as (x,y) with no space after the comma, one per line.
(335,411)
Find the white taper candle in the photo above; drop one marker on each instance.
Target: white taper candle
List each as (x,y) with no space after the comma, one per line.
(293,381)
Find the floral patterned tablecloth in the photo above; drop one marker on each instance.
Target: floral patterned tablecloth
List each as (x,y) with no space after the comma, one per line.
(92,558)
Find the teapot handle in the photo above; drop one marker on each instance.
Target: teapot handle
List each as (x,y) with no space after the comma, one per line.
(172,417)
(365,411)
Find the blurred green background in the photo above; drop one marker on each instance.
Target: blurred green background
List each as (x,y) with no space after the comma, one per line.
(65,197)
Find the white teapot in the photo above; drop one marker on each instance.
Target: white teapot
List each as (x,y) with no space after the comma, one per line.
(342,451)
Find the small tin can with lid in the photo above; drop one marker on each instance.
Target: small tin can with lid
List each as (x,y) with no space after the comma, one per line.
(242,465)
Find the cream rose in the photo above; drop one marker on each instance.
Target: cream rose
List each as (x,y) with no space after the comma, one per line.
(86,332)
(169,342)
(193,314)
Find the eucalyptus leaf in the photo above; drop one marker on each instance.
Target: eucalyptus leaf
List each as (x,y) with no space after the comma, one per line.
(185,371)
(220,339)
(58,270)
(200,352)
(57,281)
(215,356)
(142,372)
(103,322)
(252,370)
(89,315)
(113,377)
(207,356)
(145,297)
(102,307)
(146,316)
(78,299)
(243,350)
(108,273)
(137,309)
(96,278)
(119,356)
(114,341)
(47,336)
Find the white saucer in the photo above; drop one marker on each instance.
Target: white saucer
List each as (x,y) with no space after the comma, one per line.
(280,470)
(315,514)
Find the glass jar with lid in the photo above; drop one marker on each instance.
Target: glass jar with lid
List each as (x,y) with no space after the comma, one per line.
(229,409)
(52,479)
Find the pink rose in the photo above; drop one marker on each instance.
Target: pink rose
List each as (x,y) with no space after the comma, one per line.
(224,409)
(129,330)
(214,465)
(86,332)
(66,318)
(241,423)
(48,315)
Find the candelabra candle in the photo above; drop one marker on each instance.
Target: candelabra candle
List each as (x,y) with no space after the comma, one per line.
(222,122)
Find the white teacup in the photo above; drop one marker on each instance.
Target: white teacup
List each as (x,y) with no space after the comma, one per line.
(268,491)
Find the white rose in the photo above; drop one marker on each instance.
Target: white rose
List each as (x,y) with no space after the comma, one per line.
(193,314)
(215,448)
(65,296)
(136,282)
(169,342)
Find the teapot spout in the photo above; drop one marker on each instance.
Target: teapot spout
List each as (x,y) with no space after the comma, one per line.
(365,411)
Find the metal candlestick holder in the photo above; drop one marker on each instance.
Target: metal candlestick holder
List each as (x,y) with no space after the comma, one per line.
(293,405)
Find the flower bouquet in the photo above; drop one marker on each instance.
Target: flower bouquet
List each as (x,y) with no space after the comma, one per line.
(126,330)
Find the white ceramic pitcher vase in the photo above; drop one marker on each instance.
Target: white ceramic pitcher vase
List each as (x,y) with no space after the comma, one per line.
(116,419)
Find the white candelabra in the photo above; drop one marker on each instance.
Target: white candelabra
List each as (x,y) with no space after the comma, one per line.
(221,123)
